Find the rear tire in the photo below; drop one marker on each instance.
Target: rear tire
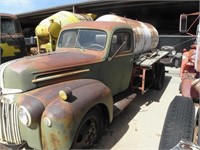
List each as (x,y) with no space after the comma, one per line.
(159,76)
(179,123)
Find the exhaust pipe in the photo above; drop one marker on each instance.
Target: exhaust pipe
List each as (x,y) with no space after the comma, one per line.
(120,105)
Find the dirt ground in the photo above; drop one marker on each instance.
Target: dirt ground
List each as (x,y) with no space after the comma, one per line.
(140,125)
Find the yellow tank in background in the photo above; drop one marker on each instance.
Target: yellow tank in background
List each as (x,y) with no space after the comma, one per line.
(48,29)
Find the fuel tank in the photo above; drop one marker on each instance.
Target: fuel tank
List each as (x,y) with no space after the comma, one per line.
(146,35)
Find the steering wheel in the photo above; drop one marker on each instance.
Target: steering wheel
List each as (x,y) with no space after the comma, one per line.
(98,46)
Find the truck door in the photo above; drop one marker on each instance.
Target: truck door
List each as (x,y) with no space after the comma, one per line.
(12,43)
(120,61)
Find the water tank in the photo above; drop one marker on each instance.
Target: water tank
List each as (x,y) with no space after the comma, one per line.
(48,30)
(53,24)
(146,35)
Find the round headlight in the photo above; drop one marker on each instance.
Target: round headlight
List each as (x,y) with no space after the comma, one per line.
(24,116)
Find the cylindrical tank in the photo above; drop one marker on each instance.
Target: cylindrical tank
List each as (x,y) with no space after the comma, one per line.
(48,30)
(61,19)
(146,36)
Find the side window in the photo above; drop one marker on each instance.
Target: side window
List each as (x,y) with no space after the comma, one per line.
(120,42)
(7,26)
(68,38)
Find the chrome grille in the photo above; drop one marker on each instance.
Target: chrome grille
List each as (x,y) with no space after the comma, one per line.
(9,124)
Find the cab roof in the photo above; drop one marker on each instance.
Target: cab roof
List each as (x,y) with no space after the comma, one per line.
(99,25)
(8,15)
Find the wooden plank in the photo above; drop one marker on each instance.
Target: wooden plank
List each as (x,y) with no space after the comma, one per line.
(146,61)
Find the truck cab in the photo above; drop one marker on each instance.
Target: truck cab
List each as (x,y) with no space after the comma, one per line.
(12,40)
(112,47)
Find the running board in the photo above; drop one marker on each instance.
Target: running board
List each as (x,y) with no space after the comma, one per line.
(120,105)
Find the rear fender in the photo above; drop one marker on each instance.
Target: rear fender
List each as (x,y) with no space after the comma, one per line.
(61,119)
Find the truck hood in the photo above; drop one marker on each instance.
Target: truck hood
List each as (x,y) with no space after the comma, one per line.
(35,71)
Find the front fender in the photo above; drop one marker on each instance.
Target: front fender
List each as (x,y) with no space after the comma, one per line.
(61,119)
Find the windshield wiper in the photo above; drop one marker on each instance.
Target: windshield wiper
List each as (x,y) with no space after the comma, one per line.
(77,42)
(79,46)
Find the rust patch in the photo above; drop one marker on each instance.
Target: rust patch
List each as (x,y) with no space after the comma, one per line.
(55,143)
(100,25)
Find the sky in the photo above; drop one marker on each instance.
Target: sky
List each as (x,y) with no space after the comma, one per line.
(23,6)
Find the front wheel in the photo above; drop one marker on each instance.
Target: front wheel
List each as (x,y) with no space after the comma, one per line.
(90,129)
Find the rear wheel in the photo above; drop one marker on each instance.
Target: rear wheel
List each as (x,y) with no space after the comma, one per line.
(90,129)
(179,123)
(159,76)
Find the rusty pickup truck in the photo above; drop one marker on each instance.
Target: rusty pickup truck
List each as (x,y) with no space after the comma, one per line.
(64,99)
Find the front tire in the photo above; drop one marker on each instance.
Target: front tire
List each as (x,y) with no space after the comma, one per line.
(179,123)
(90,129)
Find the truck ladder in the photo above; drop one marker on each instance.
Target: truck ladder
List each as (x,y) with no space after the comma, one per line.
(139,78)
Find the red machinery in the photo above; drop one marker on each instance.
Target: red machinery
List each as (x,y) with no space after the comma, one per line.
(190,67)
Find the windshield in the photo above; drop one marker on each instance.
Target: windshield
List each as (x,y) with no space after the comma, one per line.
(84,39)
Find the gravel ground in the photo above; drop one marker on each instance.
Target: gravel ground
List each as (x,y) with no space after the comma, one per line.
(140,125)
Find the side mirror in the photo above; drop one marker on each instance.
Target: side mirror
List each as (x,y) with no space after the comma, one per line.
(183,23)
